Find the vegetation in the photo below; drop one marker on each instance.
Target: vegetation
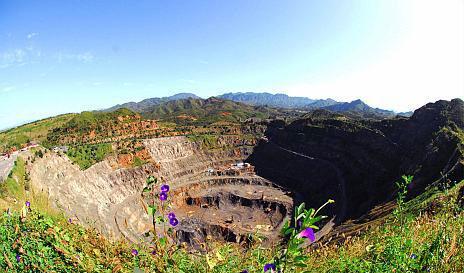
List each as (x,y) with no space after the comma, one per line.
(16,181)
(204,112)
(87,155)
(423,235)
(90,120)
(36,131)
(206,140)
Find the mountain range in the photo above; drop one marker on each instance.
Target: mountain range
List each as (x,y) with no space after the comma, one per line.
(355,108)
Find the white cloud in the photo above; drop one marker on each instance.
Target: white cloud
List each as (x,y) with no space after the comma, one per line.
(428,65)
(31,35)
(12,57)
(19,56)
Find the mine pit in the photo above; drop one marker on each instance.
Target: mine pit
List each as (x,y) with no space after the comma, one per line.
(230,211)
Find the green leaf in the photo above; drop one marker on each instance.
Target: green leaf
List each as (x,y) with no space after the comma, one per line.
(300,208)
(152,210)
(162,241)
(151,180)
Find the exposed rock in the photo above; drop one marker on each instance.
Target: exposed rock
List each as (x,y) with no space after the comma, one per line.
(111,199)
(356,162)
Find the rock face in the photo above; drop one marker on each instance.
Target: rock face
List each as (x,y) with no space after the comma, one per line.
(224,200)
(92,196)
(356,162)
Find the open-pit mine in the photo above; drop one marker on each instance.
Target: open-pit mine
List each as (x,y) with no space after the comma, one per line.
(226,186)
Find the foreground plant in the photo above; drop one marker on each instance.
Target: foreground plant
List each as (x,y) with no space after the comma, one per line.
(293,255)
(159,204)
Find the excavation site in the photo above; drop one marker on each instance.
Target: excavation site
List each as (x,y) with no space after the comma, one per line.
(248,179)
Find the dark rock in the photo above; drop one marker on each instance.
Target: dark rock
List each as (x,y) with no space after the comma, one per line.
(356,162)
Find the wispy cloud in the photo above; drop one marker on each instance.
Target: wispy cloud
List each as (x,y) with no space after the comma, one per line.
(21,56)
(14,57)
(7,89)
(31,35)
(85,57)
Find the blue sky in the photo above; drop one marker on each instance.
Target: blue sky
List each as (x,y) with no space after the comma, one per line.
(70,56)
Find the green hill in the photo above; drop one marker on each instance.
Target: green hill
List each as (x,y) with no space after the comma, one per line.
(34,131)
(200,111)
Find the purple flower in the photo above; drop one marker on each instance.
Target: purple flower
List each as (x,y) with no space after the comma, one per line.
(307,233)
(269,266)
(244,271)
(70,220)
(413,256)
(18,258)
(173,222)
(28,204)
(153,252)
(164,188)
(163,196)
(171,215)
(134,252)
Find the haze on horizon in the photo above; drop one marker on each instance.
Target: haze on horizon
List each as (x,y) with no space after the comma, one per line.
(69,56)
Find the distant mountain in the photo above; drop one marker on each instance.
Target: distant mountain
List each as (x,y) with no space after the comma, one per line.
(205,111)
(405,114)
(171,105)
(321,103)
(147,103)
(359,108)
(267,99)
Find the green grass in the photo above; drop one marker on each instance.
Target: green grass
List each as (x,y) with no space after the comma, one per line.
(87,155)
(16,181)
(416,240)
(35,131)
(206,140)
(138,162)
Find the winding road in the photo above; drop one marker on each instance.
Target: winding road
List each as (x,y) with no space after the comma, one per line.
(6,164)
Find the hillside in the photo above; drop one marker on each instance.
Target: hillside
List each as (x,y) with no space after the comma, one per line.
(16,138)
(356,160)
(267,99)
(359,108)
(145,104)
(200,111)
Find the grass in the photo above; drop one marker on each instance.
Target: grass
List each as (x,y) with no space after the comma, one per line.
(35,131)
(16,181)
(425,235)
(418,239)
(87,155)
(206,140)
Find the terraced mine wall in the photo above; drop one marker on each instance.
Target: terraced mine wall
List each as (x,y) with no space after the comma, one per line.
(213,193)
